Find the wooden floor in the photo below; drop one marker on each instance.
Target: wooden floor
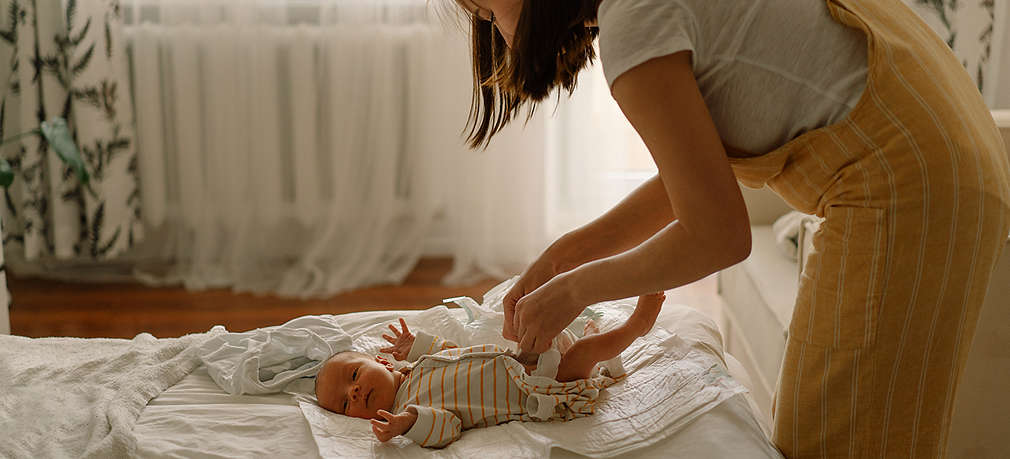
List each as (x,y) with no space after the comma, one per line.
(52,308)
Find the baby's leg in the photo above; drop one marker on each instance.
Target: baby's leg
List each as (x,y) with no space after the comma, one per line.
(579,361)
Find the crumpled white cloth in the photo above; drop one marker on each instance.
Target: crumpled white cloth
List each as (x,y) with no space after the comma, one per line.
(266,360)
(787,232)
(671,381)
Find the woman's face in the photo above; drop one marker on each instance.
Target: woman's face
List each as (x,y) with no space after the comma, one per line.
(504,12)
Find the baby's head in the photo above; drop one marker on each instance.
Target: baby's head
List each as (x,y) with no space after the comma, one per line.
(356,385)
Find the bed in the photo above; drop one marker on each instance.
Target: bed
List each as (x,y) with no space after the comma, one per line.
(195,418)
(148,397)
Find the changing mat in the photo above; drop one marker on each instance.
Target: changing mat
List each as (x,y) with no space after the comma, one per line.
(195,418)
(670,381)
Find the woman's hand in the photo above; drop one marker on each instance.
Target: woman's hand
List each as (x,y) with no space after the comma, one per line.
(401,345)
(543,313)
(394,424)
(549,264)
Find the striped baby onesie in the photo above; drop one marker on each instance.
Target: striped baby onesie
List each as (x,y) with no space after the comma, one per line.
(455,388)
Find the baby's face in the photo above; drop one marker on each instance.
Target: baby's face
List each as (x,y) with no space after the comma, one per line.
(354,384)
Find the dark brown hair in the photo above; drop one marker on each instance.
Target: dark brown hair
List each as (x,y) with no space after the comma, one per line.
(550,47)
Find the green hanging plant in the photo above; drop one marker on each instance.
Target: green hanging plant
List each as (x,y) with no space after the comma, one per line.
(56,132)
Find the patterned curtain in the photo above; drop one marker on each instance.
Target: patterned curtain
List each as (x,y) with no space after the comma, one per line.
(66,58)
(968,27)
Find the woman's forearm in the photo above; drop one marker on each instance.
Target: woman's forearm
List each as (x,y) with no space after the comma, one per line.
(637,217)
(669,259)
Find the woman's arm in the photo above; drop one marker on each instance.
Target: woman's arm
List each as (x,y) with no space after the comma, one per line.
(662,101)
(633,220)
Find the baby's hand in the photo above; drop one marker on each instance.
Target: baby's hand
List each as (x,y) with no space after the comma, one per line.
(395,424)
(400,348)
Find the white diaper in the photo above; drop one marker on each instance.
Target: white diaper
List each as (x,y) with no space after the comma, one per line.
(484,324)
(548,362)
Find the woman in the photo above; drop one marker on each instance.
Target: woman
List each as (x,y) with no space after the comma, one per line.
(852,110)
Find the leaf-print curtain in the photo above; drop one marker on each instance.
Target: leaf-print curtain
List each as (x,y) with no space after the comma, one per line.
(976,33)
(66,58)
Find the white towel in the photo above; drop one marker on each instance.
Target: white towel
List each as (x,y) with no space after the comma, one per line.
(70,397)
(787,232)
(266,360)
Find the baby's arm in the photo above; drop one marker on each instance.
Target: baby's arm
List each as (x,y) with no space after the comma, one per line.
(418,423)
(393,424)
(405,346)
(582,357)
(434,428)
(426,344)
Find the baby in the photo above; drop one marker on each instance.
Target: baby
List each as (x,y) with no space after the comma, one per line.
(450,389)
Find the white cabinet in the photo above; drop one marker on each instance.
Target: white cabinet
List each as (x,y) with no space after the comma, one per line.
(981,423)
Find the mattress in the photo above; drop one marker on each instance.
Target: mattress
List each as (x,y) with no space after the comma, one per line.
(195,418)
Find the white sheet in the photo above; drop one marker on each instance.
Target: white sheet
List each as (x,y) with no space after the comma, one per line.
(197,419)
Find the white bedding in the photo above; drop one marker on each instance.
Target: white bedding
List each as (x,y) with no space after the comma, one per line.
(195,418)
(79,398)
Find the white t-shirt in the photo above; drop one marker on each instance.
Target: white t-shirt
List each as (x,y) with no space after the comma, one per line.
(769,70)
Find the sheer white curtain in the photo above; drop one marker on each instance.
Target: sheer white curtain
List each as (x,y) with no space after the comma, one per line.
(497,211)
(591,158)
(595,156)
(307,147)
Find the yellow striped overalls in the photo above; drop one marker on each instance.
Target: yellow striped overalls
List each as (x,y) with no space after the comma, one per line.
(915,188)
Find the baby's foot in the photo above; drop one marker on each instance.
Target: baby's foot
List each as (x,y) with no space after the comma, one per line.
(646,312)
(591,328)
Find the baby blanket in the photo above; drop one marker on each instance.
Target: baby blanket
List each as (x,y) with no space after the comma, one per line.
(71,397)
(266,360)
